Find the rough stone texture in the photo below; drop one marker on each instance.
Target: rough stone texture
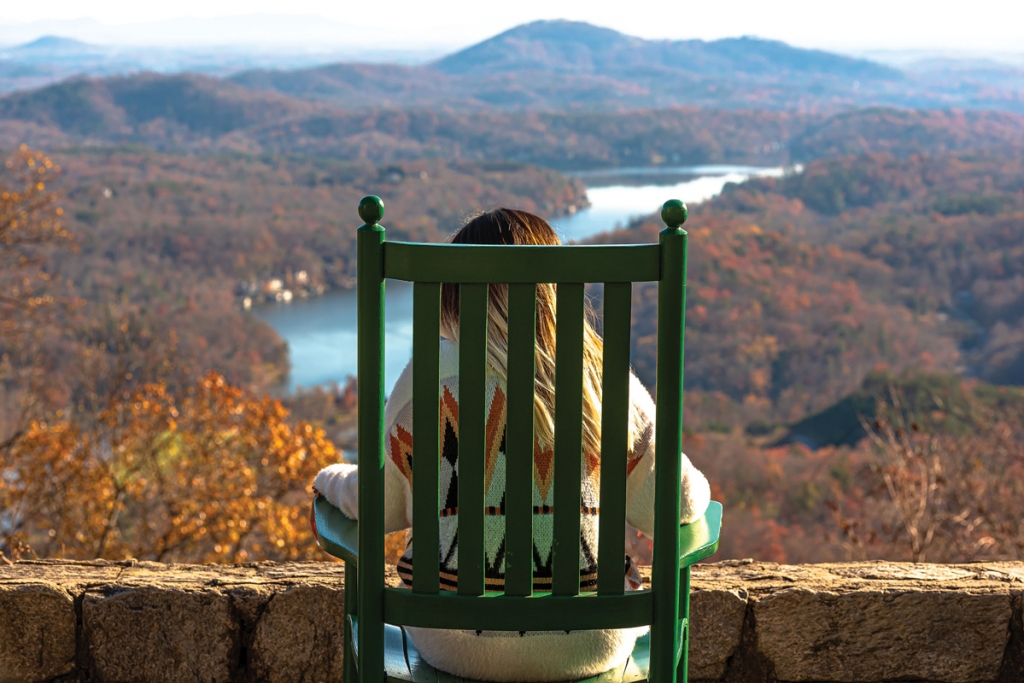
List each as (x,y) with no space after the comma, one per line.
(1012,670)
(716,618)
(752,622)
(299,638)
(159,634)
(37,632)
(875,621)
(934,636)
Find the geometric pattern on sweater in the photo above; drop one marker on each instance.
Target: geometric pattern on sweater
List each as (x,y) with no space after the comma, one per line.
(399,450)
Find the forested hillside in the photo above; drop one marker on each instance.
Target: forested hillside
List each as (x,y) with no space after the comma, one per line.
(890,241)
(164,244)
(852,309)
(801,286)
(184,113)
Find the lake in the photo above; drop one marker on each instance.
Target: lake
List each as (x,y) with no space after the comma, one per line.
(321,332)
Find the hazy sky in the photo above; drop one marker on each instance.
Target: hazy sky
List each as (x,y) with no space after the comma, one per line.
(970,25)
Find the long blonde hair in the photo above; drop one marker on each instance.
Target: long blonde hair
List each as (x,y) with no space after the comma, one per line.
(509,226)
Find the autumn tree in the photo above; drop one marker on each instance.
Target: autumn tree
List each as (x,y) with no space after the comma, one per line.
(30,221)
(115,452)
(31,227)
(949,481)
(218,475)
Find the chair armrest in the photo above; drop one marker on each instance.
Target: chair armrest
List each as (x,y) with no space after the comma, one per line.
(336,533)
(699,539)
(339,535)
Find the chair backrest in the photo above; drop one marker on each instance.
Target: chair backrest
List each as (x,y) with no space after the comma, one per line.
(473,268)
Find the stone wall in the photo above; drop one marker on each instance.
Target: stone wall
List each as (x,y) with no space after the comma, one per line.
(754,622)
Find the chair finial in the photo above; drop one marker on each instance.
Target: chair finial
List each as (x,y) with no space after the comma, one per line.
(674,213)
(371,209)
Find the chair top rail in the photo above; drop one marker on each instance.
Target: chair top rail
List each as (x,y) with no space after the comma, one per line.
(507,264)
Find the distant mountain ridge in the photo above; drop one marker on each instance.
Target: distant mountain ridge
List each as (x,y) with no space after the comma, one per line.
(56,46)
(563,64)
(557,66)
(576,47)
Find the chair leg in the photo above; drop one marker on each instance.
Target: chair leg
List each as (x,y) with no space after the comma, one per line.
(682,668)
(351,609)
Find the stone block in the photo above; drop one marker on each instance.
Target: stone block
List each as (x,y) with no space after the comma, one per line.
(299,638)
(936,636)
(716,618)
(37,633)
(160,635)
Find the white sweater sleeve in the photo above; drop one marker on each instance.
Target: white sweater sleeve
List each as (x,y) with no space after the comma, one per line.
(695,493)
(339,483)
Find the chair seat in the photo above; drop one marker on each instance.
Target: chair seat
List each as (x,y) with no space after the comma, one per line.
(403,663)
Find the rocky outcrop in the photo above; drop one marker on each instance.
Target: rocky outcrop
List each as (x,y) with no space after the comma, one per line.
(108,622)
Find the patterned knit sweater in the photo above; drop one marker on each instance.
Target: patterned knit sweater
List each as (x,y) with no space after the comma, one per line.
(498,655)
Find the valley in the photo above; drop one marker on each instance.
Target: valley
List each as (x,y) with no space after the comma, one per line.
(856,236)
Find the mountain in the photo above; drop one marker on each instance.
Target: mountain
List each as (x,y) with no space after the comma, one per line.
(580,48)
(566,64)
(541,66)
(119,107)
(55,57)
(553,46)
(55,47)
(558,65)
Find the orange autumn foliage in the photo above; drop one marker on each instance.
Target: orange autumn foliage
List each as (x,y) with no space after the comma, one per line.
(217,475)
(30,221)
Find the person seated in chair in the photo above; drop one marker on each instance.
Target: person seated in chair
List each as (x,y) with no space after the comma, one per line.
(504,655)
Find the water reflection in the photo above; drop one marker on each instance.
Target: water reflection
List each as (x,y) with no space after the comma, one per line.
(613,206)
(321,335)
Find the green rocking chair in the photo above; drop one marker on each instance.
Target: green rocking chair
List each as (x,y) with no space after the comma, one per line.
(376,646)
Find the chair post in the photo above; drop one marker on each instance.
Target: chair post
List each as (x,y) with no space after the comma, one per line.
(683,668)
(351,610)
(665,579)
(370,572)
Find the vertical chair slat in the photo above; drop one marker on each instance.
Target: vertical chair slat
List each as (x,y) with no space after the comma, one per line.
(522,310)
(668,451)
(614,437)
(370,362)
(426,317)
(568,437)
(472,415)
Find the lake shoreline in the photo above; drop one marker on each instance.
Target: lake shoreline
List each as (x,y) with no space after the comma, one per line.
(321,330)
